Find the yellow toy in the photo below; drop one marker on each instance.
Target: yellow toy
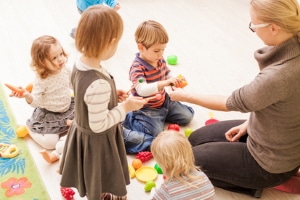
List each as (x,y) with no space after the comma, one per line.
(8,150)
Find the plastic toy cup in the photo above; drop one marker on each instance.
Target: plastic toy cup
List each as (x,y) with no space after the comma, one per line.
(172,60)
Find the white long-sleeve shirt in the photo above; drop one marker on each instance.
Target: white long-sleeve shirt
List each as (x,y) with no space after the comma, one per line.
(53,92)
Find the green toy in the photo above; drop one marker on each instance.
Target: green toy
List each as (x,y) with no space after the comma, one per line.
(172,60)
(158,169)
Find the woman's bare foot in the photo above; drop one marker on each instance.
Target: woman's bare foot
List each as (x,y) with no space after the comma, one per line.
(49,157)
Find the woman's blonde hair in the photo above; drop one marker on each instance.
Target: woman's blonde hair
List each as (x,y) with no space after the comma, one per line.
(284,13)
(173,153)
(40,52)
(97,28)
(151,32)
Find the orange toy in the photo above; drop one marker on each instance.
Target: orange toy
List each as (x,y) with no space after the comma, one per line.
(29,87)
(14,89)
(136,163)
(19,90)
(183,82)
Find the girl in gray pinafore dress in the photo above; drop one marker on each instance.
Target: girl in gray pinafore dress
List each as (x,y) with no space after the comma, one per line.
(94,163)
(94,159)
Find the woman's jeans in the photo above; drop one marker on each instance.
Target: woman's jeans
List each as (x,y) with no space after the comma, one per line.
(142,126)
(230,165)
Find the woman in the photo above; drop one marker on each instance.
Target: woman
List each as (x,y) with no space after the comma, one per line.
(263,151)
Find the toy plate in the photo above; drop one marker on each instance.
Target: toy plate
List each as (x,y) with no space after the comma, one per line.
(146,173)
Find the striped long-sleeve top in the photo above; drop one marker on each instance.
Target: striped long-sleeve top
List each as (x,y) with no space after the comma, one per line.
(140,69)
(200,188)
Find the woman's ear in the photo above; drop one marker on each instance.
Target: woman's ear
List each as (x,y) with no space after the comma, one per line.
(275,29)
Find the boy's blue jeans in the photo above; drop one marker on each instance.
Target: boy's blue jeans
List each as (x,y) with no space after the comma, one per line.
(142,126)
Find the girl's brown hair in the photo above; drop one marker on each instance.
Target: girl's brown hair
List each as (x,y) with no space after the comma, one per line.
(40,52)
(97,28)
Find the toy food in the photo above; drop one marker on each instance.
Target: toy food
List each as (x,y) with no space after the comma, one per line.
(158,169)
(174,127)
(22,131)
(131,171)
(144,156)
(136,163)
(183,82)
(172,60)
(67,193)
(8,150)
(14,89)
(149,185)
(211,120)
(188,132)
(29,87)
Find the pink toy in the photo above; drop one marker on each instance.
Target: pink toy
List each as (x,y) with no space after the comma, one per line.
(292,185)
(211,120)
(157,97)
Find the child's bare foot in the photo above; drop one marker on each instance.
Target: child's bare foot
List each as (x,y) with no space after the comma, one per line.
(49,157)
(69,122)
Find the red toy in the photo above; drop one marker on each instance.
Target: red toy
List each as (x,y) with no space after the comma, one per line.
(67,193)
(174,127)
(144,156)
(292,185)
(211,120)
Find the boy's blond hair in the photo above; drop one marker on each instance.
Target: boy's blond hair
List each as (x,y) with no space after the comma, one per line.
(151,32)
(173,153)
(97,28)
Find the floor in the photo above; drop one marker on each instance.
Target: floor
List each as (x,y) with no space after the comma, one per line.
(210,38)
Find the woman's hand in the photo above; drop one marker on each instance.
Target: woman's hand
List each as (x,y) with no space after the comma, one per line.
(177,94)
(235,133)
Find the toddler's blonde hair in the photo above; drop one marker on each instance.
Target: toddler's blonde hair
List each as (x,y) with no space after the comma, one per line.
(173,153)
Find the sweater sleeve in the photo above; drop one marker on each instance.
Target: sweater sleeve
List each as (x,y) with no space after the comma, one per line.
(268,87)
(97,98)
